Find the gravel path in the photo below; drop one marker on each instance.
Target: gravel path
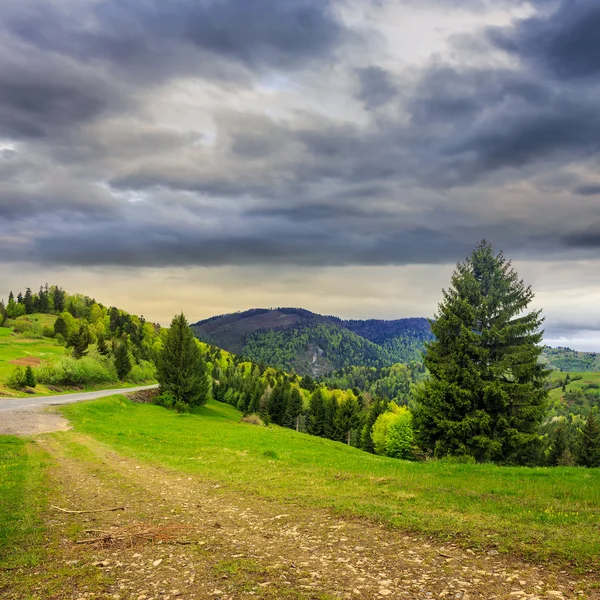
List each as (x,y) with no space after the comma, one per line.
(27,416)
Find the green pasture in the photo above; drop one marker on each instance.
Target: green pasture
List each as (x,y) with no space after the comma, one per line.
(583,381)
(540,514)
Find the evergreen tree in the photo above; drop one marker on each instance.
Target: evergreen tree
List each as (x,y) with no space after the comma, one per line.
(587,452)
(28,302)
(559,445)
(103,346)
(80,341)
(486,396)
(122,361)
(278,404)
(294,409)
(58,297)
(329,429)
(347,418)
(61,327)
(181,368)
(30,377)
(316,413)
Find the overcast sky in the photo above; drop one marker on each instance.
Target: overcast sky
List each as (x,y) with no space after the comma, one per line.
(339,155)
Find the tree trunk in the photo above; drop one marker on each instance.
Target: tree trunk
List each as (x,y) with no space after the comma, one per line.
(297,422)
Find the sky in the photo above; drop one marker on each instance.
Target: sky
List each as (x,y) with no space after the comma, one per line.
(337,155)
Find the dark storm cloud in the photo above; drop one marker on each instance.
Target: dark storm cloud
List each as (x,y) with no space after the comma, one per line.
(416,177)
(566,44)
(148,33)
(376,87)
(588,190)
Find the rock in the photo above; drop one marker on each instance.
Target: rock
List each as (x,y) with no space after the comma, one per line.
(157,562)
(385,592)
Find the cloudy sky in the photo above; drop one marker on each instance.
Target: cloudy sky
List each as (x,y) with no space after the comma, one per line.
(339,155)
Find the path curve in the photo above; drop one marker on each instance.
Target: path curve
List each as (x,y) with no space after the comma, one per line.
(11,404)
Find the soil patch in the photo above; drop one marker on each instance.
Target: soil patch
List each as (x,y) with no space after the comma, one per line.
(26,361)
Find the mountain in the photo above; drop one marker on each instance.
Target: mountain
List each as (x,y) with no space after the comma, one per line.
(312,344)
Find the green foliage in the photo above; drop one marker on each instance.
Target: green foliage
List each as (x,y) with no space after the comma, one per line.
(381,429)
(565,359)
(122,361)
(17,379)
(181,367)
(30,377)
(588,443)
(316,413)
(294,409)
(347,418)
(68,371)
(143,372)
(486,396)
(400,436)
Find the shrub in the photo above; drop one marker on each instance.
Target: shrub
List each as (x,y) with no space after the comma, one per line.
(168,400)
(16,380)
(461,459)
(48,331)
(89,370)
(393,433)
(141,373)
(253,419)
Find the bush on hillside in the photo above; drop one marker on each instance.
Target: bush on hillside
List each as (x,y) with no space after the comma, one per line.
(17,379)
(253,420)
(168,400)
(142,373)
(89,370)
(393,433)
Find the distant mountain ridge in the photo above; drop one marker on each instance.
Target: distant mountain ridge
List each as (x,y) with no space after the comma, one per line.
(308,343)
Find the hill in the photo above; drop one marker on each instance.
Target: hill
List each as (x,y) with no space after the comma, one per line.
(566,359)
(311,344)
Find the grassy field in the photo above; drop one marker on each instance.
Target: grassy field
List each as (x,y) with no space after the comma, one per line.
(540,514)
(579,381)
(23,488)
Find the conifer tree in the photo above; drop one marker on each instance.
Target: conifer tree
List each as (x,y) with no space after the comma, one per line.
(30,377)
(347,418)
(485,397)
(61,328)
(294,409)
(329,429)
(366,441)
(28,302)
(122,360)
(80,341)
(181,368)
(587,452)
(316,413)
(103,346)
(278,404)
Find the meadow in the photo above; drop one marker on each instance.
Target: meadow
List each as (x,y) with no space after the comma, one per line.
(579,381)
(541,514)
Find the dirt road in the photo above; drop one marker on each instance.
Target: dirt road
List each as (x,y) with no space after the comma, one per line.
(27,416)
(180,537)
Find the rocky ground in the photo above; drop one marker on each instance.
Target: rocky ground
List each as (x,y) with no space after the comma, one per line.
(178,537)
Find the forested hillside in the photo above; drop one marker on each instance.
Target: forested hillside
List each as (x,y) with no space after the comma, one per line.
(565,359)
(307,343)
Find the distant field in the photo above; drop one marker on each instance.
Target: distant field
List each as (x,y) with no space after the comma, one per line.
(579,381)
(13,347)
(536,513)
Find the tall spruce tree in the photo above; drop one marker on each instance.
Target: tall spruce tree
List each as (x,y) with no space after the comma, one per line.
(347,418)
(485,397)
(181,366)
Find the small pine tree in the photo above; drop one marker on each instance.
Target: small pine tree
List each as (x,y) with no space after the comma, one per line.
(182,370)
(316,413)
(61,328)
(559,446)
(103,346)
(80,341)
(122,361)
(30,380)
(347,418)
(587,450)
(329,429)
(278,404)
(294,409)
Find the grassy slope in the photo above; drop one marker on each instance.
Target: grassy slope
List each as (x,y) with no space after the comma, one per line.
(537,513)
(23,489)
(587,379)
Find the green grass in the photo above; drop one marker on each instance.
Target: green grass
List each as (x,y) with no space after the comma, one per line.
(583,380)
(536,513)
(23,488)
